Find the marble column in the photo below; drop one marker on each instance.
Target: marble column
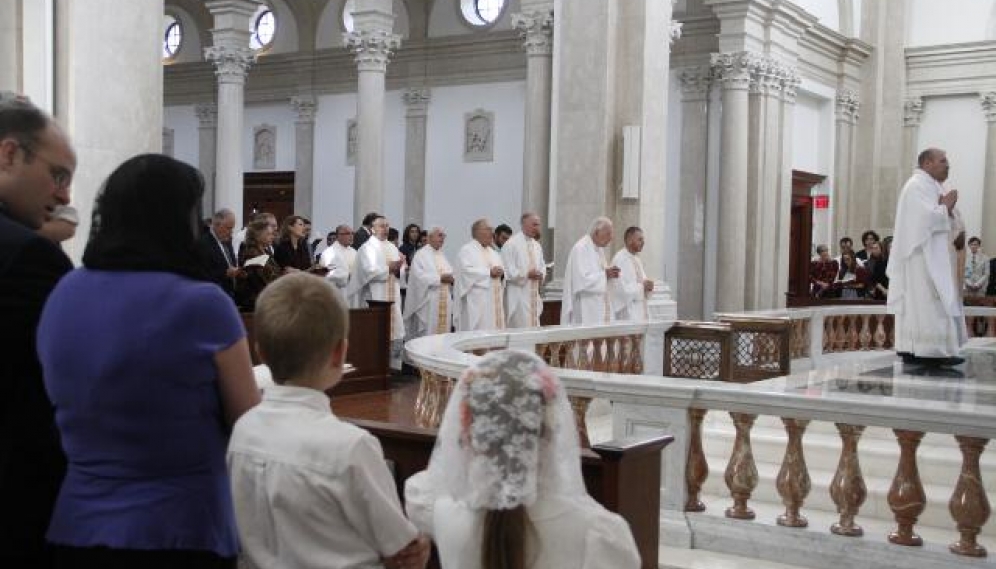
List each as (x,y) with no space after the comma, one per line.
(988,101)
(536,27)
(764,159)
(783,239)
(304,154)
(695,82)
(108,94)
(732,72)
(912,117)
(232,57)
(373,43)
(10,45)
(845,194)
(207,138)
(416,110)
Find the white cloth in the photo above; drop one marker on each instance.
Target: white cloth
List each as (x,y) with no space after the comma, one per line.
(586,296)
(508,439)
(371,280)
(569,533)
(923,294)
(477,296)
(629,298)
(310,490)
(976,273)
(523,304)
(340,262)
(429,303)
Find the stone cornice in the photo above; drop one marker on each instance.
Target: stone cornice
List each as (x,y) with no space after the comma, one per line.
(954,69)
(832,58)
(453,60)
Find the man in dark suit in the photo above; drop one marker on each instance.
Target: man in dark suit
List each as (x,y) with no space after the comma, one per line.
(36,168)
(365,230)
(991,288)
(216,250)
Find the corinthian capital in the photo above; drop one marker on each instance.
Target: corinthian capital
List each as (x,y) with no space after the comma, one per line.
(305,106)
(790,84)
(847,104)
(732,70)
(207,114)
(912,111)
(536,29)
(766,75)
(231,64)
(988,101)
(372,48)
(695,82)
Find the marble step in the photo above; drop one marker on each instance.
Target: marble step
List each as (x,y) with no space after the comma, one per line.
(677,558)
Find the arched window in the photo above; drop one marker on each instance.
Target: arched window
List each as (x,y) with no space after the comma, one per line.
(347,14)
(482,12)
(263,29)
(172,38)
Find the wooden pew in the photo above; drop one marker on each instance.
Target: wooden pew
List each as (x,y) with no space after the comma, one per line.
(624,475)
(369,348)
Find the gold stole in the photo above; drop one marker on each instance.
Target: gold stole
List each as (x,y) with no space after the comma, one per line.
(607,313)
(533,284)
(442,325)
(641,276)
(495,291)
(391,280)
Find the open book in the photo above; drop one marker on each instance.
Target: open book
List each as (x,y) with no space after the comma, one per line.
(257,261)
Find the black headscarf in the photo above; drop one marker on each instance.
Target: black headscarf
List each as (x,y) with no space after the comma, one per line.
(146,218)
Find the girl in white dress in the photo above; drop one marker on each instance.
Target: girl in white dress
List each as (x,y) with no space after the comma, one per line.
(503,489)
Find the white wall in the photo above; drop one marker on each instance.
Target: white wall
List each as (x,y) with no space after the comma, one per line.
(447,20)
(952,21)
(458,192)
(184,123)
(333,180)
(826,10)
(813,140)
(965,145)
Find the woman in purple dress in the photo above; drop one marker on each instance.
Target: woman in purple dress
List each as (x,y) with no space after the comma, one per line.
(146,363)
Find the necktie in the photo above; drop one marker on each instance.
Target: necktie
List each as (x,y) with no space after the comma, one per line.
(226,246)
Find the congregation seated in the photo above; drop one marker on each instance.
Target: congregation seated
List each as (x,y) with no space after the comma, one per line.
(504,487)
(852,278)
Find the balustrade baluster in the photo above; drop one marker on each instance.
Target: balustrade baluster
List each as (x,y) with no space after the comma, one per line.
(636,365)
(571,355)
(847,489)
(852,332)
(696,466)
(906,497)
(580,407)
(793,478)
(827,334)
(969,505)
(741,472)
(420,398)
(865,337)
(611,363)
(880,335)
(991,326)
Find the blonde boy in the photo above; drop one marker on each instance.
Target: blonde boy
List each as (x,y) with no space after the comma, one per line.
(310,490)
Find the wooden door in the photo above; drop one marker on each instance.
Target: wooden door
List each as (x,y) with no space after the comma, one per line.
(271,192)
(801,233)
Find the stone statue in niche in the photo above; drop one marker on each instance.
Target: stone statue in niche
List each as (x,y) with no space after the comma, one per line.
(264,150)
(478,137)
(168,141)
(352,140)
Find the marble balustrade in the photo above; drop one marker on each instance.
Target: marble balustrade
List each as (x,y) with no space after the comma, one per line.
(852,398)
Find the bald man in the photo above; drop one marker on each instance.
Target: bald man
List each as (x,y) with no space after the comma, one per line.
(587,277)
(478,291)
(525,270)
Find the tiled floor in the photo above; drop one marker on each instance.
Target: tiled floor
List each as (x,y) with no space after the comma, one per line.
(675,558)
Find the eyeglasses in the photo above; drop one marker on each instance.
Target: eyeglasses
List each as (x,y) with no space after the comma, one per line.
(61,176)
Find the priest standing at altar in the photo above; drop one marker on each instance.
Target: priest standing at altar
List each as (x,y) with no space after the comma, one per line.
(478,290)
(923,291)
(587,276)
(525,270)
(377,276)
(429,304)
(631,291)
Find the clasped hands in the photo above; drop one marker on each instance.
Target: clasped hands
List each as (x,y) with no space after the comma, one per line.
(612,272)
(415,555)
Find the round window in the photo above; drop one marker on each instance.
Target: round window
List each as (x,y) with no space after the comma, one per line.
(172,38)
(263,30)
(482,12)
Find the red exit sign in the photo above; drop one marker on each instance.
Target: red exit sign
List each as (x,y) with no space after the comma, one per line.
(821,202)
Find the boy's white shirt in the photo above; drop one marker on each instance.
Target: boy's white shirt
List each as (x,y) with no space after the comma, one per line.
(310,490)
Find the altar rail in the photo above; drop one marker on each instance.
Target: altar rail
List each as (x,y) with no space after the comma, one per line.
(652,402)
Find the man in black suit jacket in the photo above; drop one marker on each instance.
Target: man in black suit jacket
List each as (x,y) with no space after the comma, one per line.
(365,231)
(991,289)
(217,252)
(36,168)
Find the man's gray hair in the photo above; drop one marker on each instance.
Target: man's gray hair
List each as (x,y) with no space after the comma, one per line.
(478,224)
(222,214)
(434,229)
(598,224)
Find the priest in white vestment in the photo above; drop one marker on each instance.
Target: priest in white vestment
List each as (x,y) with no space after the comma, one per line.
(586,278)
(923,292)
(525,270)
(376,276)
(477,293)
(340,259)
(631,291)
(429,304)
